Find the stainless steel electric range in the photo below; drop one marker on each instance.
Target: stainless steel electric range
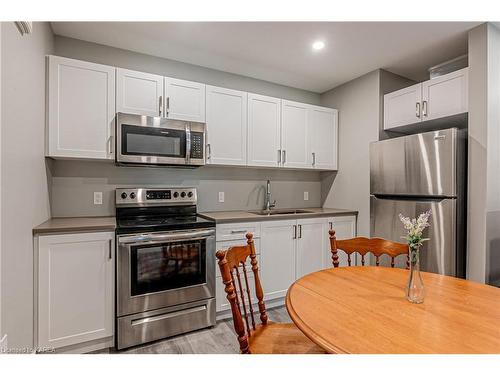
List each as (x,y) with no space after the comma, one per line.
(165,274)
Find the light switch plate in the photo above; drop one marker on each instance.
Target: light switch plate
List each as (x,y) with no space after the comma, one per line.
(221,197)
(306,195)
(97,197)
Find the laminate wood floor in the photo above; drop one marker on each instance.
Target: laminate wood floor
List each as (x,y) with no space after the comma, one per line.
(221,339)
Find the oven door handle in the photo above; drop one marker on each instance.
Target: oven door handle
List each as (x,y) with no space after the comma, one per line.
(152,237)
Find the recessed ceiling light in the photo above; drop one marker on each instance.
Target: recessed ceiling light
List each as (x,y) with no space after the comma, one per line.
(318,45)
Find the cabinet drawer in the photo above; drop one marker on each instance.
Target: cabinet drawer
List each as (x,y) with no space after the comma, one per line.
(237,231)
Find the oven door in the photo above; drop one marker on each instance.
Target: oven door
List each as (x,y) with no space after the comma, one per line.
(152,140)
(163,269)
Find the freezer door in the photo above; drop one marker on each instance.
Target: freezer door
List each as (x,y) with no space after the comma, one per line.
(415,165)
(439,254)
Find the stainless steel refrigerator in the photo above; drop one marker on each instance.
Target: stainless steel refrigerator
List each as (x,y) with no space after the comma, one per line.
(412,174)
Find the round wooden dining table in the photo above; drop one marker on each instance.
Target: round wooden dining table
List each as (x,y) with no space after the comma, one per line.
(364,310)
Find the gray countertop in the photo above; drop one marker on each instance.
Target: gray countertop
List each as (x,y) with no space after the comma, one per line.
(75,224)
(105,223)
(240,216)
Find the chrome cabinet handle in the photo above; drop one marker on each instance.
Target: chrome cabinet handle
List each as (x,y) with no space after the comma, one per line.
(283,157)
(314,159)
(209,151)
(300,231)
(160,103)
(417,110)
(279,157)
(238,231)
(168,105)
(110,253)
(294,232)
(424,108)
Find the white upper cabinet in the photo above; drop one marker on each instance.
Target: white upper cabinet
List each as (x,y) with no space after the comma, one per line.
(139,93)
(323,130)
(75,287)
(445,95)
(403,107)
(184,100)
(264,130)
(226,126)
(439,97)
(295,135)
(81,109)
(243,129)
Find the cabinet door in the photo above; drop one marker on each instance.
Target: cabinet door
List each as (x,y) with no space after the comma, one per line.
(221,302)
(312,238)
(75,288)
(139,93)
(295,135)
(226,126)
(345,227)
(323,128)
(403,107)
(185,100)
(446,95)
(277,256)
(264,122)
(81,109)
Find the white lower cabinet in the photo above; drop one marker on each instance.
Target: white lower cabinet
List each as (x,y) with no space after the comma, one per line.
(277,257)
(229,235)
(345,227)
(286,250)
(312,240)
(75,290)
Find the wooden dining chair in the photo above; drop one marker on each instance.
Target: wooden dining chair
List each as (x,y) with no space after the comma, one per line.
(363,246)
(265,337)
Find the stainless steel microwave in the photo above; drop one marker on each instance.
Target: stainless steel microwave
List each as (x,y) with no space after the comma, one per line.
(158,141)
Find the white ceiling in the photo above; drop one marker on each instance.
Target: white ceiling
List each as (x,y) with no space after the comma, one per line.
(281,52)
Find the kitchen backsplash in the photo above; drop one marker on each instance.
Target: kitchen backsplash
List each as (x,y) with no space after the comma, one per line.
(74,184)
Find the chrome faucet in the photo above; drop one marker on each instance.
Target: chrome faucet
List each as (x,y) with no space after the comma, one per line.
(268,206)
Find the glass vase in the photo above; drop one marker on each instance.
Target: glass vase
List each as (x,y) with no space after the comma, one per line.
(415,291)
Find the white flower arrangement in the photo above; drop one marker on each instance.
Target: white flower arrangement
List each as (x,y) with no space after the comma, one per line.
(415,229)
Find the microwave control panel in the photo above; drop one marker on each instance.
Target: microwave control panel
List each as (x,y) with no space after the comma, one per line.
(197,145)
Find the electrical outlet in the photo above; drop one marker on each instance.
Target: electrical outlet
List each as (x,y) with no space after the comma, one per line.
(221,197)
(97,197)
(306,195)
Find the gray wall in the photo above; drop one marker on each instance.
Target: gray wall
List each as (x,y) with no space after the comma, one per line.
(98,53)
(358,105)
(73,184)
(25,202)
(484,160)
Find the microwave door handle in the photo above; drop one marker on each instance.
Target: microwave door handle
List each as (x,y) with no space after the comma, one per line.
(188,144)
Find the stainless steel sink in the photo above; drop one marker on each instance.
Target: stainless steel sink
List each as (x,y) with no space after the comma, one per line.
(279,212)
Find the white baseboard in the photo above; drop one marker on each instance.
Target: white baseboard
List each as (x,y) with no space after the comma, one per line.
(3,344)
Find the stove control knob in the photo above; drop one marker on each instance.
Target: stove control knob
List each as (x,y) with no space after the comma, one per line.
(190,194)
(124,195)
(183,194)
(132,195)
(176,195)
